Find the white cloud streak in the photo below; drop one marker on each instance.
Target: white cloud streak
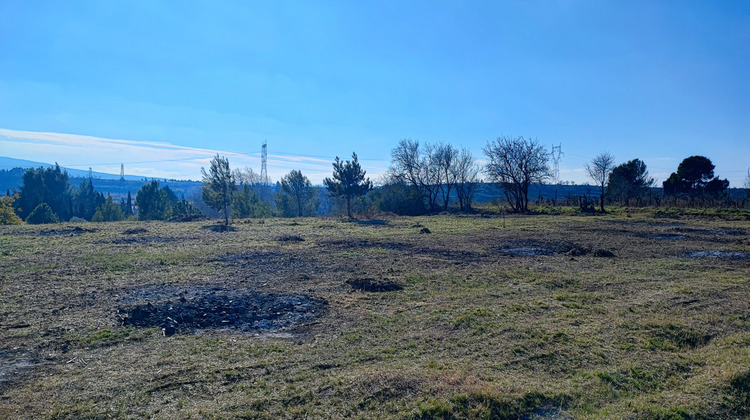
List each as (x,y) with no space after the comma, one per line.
(148,158)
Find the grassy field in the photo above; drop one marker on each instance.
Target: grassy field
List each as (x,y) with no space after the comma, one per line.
(547,316)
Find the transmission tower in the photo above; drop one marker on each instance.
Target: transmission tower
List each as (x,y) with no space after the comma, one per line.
(122,172)
(556,155)
(263,160)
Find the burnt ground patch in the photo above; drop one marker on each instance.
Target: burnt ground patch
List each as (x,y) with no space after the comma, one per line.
(77,230)
(135,231)
(374,285)
(717,232)
(220,308)
(367,244)
(14,364)
(537,248)
(290,238)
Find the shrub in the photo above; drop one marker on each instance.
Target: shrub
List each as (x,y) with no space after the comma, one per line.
(7,215)
(42,214)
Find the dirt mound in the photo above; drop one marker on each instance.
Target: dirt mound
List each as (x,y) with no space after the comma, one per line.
(219,308)
(374,285)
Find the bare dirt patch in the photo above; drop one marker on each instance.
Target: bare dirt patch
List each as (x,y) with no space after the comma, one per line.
(666,237)
(730,255)
(143,240)
(15,363)
(77,230)
(534,249)
(375,285)
(188,310)
(135,231)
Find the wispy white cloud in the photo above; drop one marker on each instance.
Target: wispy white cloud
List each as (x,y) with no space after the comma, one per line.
(149,158)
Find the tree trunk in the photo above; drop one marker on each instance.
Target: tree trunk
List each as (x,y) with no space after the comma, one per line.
(601,199)
(349,207)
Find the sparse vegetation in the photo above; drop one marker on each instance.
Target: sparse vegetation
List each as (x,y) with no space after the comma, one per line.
(483,318)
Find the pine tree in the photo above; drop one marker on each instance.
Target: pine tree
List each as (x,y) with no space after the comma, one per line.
(219,186)
(348,181)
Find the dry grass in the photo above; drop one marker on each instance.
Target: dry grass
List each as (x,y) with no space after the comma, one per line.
(479,329)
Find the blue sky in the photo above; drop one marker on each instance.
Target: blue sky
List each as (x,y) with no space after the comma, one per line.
(162,86)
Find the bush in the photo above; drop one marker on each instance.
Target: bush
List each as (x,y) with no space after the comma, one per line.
(42,214)
(7,215)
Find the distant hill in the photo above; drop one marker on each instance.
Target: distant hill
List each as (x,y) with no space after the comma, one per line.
(8,163)
(11,178)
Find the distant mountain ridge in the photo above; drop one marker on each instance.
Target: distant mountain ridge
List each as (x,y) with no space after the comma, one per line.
(9,163)
(11,179)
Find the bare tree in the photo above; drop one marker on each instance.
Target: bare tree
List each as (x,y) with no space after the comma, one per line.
(598,170)
(747,183)
(445,158)
(410,165)
(246,176)
(516,163)
(465,173)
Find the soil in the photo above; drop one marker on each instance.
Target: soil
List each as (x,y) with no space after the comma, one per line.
(374,285)
(219,308)
(15,363)
(731,255)
(142,240)
(291,238)
(135,231)
(534,249)
(666,237)
(70,231)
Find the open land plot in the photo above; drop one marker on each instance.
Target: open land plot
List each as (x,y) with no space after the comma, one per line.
(426,317)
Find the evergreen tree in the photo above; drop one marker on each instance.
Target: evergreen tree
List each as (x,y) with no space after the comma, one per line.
(153,203)
(348,181)
(86,200)
(629,180)
(42,214)
(247,203)
(695,177)
(129,206)
(45,185)
(296,196)
(219,186)
(108,212)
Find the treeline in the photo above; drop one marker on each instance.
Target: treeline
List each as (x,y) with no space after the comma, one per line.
(46,196)
(422,178)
